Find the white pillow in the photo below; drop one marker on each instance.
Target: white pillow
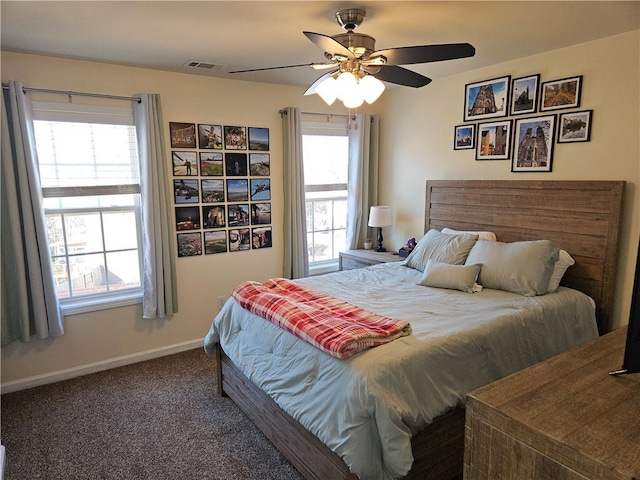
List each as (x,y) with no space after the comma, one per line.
(454,277)
(519,267)
(441,247)
(481,235)
(564,262)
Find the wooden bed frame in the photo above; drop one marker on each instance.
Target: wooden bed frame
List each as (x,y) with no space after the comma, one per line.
(583,217)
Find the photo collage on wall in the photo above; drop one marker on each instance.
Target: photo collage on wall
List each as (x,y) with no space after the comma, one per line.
(221,188)
(529,138)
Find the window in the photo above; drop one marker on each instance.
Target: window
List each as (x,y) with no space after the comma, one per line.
(90,178)
(325,152)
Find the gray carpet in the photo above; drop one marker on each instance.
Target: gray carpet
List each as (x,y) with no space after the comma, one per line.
(160,419)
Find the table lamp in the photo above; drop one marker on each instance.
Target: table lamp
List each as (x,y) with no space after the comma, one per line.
(380,216)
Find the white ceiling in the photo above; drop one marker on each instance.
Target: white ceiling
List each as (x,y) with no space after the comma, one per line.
(249,34)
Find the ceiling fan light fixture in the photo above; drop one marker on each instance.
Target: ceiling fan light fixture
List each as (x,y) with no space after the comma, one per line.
(345,84)
(371,87)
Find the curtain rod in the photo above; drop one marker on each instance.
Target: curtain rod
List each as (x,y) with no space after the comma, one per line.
(283,112)
(71,94)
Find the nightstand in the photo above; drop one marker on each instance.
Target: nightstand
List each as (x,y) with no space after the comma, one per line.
(352,259)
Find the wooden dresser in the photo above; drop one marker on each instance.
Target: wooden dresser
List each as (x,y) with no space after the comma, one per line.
(565,418)
(351,259)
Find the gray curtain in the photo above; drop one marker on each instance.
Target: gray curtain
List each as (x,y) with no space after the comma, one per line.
(296,257)
(160,297)
(362,188)
(29,302)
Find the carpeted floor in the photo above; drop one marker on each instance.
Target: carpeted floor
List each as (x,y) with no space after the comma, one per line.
(160,419)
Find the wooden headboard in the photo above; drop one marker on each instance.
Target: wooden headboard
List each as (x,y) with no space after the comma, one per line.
(583,217)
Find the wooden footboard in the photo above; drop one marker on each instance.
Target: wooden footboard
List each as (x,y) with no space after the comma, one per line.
(438,450)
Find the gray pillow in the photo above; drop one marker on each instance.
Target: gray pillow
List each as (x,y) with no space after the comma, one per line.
(454,277)
(440,247)
(518,267)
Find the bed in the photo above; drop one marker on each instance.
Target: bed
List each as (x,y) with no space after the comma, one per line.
(582,217)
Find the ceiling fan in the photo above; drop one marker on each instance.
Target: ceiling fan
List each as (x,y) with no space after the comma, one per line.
(356,68)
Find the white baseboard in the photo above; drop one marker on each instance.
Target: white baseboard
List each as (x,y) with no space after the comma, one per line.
(37,380)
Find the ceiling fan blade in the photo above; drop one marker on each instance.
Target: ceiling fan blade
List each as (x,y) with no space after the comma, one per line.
(273,68)
(401,76)
(426,53)
(329,45)
(312,88)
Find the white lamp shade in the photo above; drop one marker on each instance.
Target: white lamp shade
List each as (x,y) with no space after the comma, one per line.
(328,90)
(372,88)
(345,84)
(380,216)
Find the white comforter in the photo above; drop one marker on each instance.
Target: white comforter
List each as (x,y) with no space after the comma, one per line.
(367,408)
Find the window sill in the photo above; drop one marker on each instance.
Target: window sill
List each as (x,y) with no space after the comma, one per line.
(77,306)
(324,267)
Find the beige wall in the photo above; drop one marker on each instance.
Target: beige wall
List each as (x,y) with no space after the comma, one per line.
(417,139)
(416,144)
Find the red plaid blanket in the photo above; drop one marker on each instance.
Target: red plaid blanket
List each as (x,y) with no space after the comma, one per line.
(334,326)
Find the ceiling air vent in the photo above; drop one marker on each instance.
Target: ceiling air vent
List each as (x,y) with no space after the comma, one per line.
(203,65)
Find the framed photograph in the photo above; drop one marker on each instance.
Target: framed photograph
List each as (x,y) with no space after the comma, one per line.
(212,191)
(575,126)
(564,93)
(183,135)
(260,213)
(189,244)
(213,217)
(238,215)
(533,145)
(465,138)
(259,139)
(486,99)
(259,164)
(186,191)
(235,138)
(260,189)
(494,140)
(238,190)
(261,237)
(524,94)
(211,164)
(185,164)
(239,239)
(187,218)
(210,136)
(235,164)
(215,242)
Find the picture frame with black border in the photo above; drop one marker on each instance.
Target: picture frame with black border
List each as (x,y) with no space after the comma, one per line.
(189,244)
(209,136)
(486,99)
(237,190)
(261,213)
(259,139)
(185,163)
(238,215)
(215,241)
(533,144)
(260,189)
(261,238)
(524,95)
(185,191)
(464,137)
(235,138)
(494,140)
(212,190)
(213,216)
(561,94)
(259,164)
(239,239)
(235,164)
(211,164)
(575,126)
(183,135)
(187,218)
